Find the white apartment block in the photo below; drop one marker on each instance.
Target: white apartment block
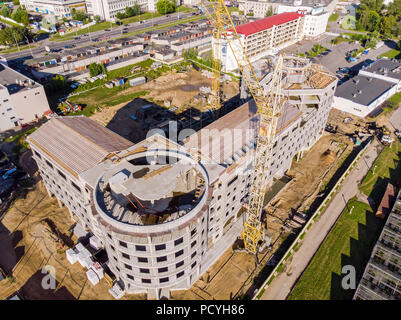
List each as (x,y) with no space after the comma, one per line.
(22,100)
(259,38)
(59,8)
(108,9)
(259,8)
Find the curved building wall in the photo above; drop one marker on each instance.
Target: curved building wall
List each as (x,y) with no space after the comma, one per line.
(152,257)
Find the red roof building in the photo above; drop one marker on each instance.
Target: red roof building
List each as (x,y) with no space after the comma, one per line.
(267,23)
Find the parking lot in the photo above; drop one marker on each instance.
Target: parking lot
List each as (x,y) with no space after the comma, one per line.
(335,57)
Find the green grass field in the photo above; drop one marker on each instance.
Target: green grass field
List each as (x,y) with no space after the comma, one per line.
(333,17)
(391,54)
(349,243)
(386,168)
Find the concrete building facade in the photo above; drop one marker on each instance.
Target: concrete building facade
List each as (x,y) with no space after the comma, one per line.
(22,100)
(259,38)
(59,8)
(381,279)
(165,211)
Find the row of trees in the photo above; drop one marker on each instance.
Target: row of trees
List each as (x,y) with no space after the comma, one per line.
(20,15)
(129,12)
(13,35)
(373,15)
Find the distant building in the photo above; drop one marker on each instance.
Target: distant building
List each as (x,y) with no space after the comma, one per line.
(366,92)
(22,100)
(381,279)
(259,38)
(60,8)
(108,9)
(260,8)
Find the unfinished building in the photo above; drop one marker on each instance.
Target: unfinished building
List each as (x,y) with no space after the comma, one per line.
(381,279)
(166,210)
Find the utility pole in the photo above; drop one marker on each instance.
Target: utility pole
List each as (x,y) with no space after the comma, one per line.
(16,42)
(29,46)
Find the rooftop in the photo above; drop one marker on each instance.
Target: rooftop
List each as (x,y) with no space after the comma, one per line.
(385,67)
(267,23)
(362,89)
(9,78)
(77,143)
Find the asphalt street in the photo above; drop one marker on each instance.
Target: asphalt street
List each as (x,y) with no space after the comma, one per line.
(113,32)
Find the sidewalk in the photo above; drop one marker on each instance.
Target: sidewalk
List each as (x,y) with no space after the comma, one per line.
(283,283)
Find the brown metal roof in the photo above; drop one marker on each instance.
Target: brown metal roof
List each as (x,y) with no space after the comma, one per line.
(77,143)
(222,141)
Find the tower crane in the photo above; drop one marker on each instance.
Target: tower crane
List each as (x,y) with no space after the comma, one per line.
(268,109)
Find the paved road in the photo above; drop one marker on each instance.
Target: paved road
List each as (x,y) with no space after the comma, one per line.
(112,33)
(282,284)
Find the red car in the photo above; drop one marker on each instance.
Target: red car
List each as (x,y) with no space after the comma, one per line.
(105,38)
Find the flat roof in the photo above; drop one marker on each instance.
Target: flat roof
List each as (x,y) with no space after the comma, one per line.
(362,89)
(385,67)
(267,23)
(9,77)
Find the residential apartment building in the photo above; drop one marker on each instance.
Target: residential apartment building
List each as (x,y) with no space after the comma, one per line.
(22,100)
(108,9)
(259,38)
(59,8)
(166,211)
(381,279)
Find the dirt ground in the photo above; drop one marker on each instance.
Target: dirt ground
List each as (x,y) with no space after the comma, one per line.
(177,89)
(25,250)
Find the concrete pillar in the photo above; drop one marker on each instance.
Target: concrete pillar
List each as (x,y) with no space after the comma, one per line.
(60,204)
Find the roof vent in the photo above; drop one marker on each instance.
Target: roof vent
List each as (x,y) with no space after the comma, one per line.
(359,91)
(370,79)
(356,81)
(354,95)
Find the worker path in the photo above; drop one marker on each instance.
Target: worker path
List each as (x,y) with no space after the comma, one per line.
(281,286)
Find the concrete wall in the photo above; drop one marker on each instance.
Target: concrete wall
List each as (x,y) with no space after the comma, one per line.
(8,116)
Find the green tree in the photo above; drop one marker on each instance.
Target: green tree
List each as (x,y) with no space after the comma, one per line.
(269,12)
(165,6)
(21,16)
(386,25)
(6,11)
(399,45)
(120,15)
(96,69)
(78,15)
(16,2)
(97,18)
(9,36)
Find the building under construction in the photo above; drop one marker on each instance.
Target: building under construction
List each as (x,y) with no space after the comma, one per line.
(166,210)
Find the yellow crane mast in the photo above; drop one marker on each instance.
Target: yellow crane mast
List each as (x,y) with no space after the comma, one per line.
(268,108)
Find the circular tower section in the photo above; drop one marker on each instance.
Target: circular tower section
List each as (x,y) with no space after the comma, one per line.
(152,208)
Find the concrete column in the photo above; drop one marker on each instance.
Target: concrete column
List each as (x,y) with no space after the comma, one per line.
(59,203)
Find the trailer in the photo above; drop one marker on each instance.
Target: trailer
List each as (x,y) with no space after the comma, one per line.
(137,81)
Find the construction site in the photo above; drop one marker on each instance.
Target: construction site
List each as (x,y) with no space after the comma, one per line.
(121,213)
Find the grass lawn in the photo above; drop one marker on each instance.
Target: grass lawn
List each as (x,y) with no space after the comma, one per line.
(333,17)
(391,54)
(350,242)
(103,97)
(15,48)
(385,169)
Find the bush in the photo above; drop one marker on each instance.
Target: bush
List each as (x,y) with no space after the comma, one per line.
(165,6)
(96,69)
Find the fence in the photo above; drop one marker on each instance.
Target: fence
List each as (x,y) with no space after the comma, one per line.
(297,242)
